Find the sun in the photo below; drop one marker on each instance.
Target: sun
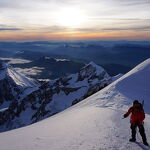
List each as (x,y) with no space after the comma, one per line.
(70,17)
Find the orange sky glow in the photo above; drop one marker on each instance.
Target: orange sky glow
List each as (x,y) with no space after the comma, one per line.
(74,20)
(108,35)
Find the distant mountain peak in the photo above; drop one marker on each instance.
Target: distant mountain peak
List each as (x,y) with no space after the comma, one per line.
(93,64)
(13,84)
(91,70)
(98,68)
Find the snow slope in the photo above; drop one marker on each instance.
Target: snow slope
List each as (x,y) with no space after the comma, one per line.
(93,124)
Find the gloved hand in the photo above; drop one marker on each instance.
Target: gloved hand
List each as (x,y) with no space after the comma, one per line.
(125,115)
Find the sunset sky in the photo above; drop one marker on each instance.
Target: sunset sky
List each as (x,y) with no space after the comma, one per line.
(25,20)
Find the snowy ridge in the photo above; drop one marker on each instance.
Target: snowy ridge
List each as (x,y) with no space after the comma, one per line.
(90,68)
(114,78)
(7,71)
(99,69)
(55,96)
(133,85)
(13,85)
(93,124)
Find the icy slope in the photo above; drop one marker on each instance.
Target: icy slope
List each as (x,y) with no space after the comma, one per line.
(93,124)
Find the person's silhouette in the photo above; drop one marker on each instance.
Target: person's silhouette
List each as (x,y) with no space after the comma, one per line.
(137,117)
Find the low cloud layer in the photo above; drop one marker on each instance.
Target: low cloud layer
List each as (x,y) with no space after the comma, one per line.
(14,60)
(10,29)
(34,71)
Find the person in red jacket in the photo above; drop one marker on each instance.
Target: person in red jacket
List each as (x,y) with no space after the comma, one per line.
(137,118)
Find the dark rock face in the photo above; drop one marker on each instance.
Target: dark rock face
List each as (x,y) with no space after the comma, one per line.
(54,96)
(9,91)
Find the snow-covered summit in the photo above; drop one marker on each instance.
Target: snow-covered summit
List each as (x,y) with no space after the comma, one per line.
(13,84)
(92,70)
(95,66)
(8,72)
(93,124)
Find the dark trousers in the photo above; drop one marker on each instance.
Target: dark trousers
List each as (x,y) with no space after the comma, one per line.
(141,130)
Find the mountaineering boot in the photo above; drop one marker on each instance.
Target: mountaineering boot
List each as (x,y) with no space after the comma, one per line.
(132,140)
(143,135)
(145,143)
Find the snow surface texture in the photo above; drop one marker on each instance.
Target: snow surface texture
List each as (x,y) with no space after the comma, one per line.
(93,124)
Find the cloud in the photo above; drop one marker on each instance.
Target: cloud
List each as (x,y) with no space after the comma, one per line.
(10,29)
(4,27)
(52,29)
(9,4)
(27,4)
(30,71)
(100,29)
(15,60)
(13,4)
(144,28)
(137,2)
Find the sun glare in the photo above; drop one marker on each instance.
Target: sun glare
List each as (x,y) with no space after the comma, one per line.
(70,17)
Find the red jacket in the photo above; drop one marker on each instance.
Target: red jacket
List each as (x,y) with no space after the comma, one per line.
(137,114)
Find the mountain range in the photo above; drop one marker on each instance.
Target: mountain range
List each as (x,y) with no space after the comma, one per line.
(52,68)
(95,123)
(109,54)
(52,96)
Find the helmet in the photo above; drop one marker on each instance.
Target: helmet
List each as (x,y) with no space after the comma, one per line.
(135,102)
